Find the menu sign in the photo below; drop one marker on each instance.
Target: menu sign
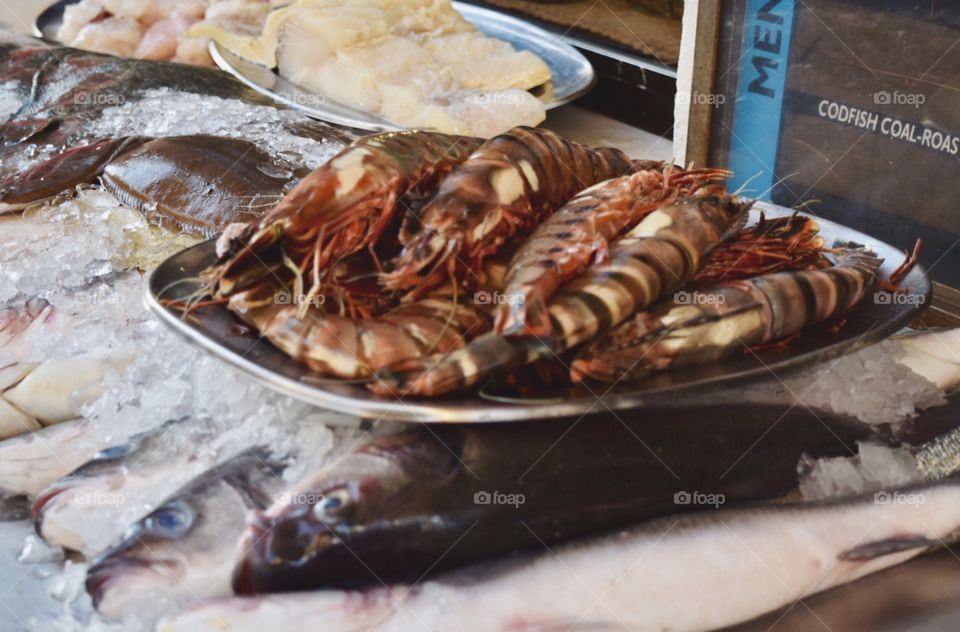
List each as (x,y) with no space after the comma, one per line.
(852,107)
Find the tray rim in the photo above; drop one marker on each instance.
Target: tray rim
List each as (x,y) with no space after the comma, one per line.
(435,411)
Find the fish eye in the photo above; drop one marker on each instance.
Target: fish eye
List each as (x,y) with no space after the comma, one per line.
(170,521)
(332,504)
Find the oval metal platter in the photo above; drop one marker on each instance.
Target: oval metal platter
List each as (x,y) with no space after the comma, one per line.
(571,73)
(210,328)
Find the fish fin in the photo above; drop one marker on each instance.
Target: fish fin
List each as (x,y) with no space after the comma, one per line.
(887,546)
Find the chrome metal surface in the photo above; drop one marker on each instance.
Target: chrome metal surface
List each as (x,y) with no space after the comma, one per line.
(209,329)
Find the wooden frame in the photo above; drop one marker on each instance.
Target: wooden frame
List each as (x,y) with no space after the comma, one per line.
(695,75)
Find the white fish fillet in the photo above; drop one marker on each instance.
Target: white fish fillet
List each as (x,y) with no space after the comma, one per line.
(406,60)
(478,62)
(695,572)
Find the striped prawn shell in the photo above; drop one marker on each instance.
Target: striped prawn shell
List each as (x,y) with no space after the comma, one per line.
(510,183)
(727,318)
(352,348)
(565,243)
(658,256)
(799,299)
(365,184)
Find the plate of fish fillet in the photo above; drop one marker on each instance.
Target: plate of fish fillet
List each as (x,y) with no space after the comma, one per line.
(425,64)
(369,64)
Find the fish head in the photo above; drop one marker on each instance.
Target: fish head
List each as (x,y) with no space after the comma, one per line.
(325,526)
(183,548)
(130,576)
(84,486)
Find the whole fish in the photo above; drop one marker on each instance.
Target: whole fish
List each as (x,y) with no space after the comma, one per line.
(182,552)
(718,320)
(691,572)
(428,499)
(90,508)
(249,472)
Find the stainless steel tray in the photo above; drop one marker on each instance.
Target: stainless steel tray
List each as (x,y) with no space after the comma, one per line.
(209,328)
(571,73)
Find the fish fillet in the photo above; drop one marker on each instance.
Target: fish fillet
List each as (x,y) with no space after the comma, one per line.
(418,63)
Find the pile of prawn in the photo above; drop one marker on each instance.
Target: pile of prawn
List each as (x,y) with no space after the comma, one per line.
(423,263)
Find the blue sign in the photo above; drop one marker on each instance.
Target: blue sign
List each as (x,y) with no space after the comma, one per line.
(763,75)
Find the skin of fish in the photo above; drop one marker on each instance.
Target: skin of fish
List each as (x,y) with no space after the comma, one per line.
(691,572)
(32,461)
(422,501)
(182,552)
(89,509)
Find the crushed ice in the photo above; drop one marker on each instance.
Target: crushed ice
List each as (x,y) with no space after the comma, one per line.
(161,112)
(165,112)
(869,385)
(83,255)
(10,99)
(874,468)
